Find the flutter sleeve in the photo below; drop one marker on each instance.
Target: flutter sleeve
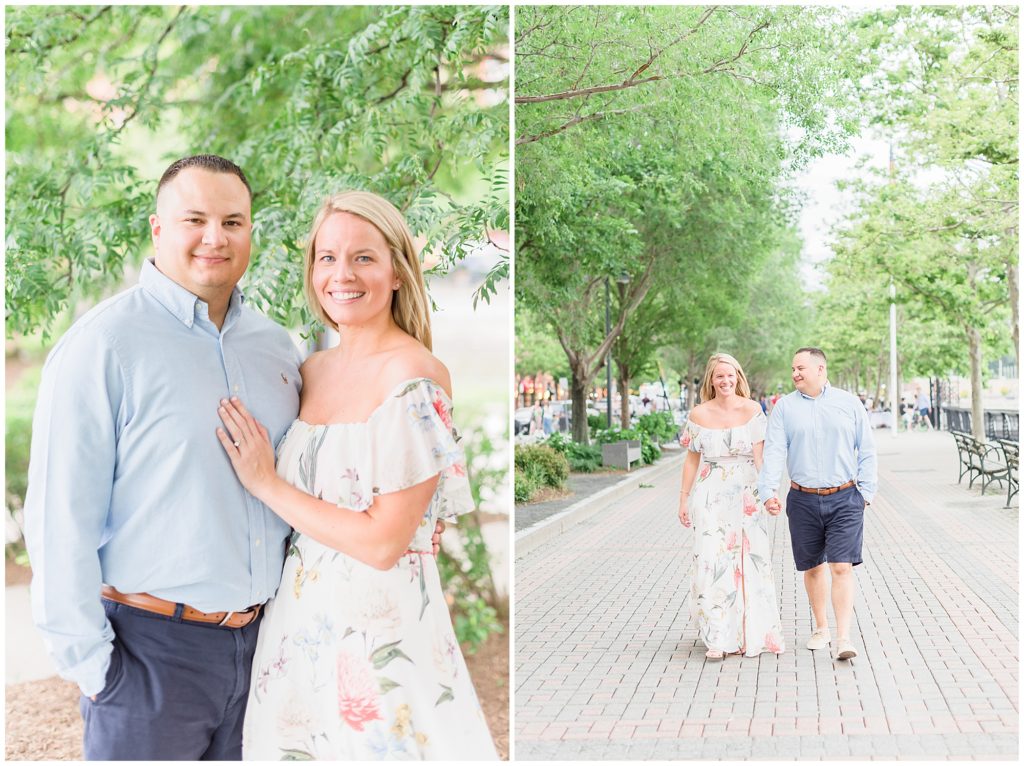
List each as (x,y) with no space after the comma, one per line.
(412,439)
(688,440)
(758,428)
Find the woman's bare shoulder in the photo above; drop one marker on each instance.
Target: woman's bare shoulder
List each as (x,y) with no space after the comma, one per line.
(312,364)
(699,414)
(412,361)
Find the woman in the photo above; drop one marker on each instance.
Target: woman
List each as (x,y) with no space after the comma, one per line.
(733,591)
(357,658)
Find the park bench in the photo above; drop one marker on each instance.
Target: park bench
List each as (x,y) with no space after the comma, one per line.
(963,452)
(1011,456)
(620,454)
(986,463)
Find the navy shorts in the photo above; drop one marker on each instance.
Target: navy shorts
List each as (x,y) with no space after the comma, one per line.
(175,690)
(826,527)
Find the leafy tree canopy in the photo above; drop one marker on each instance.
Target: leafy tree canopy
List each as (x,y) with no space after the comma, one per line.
(410,102)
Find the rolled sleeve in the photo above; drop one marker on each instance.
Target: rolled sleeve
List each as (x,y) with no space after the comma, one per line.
(774,454)
(71,473)
(867,457)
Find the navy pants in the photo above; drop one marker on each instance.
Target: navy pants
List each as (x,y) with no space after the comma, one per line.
(826,527)
(175,690)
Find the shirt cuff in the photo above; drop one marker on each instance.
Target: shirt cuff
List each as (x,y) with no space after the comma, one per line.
(91,675)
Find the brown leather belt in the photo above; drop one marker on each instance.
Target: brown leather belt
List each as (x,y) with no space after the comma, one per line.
(156,605)
(822,490)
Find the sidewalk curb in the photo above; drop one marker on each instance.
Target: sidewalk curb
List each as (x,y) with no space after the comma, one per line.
(531,538)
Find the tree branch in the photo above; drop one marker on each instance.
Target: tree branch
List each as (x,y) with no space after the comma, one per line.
(577,121)
(151,70)
(655,54)
(67,40)
(632,82)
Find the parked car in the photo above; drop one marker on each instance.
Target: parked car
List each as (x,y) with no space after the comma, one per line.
(560,413)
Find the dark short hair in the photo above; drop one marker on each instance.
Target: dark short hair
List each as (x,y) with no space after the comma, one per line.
(812,351)
(210,162)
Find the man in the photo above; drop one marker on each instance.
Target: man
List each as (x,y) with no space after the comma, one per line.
(131,494)
(823,437)
(924,408)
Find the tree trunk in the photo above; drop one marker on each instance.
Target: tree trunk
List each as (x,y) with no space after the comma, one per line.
(580,432)
(977,411)
(623,395)
(691,392)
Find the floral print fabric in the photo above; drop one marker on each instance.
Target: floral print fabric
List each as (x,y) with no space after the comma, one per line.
(354,663)
(732,595)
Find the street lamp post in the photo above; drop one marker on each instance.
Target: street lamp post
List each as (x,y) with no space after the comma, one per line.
(894,396)
(608,353)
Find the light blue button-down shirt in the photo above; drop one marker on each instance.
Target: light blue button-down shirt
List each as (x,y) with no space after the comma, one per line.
(128,484)
(824,441)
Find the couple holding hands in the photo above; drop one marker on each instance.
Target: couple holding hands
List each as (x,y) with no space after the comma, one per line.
(158,524)
(731,475)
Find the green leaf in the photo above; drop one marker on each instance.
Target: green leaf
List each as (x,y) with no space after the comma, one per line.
(446,695)
(290,754)
(386,653)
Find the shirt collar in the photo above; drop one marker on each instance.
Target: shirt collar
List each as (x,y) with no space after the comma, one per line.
(824,390)
(185,306)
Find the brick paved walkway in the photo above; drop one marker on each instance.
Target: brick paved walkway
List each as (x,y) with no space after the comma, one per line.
(608,665)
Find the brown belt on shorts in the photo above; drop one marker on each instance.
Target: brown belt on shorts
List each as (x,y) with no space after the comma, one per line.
(822,490)
(156,605)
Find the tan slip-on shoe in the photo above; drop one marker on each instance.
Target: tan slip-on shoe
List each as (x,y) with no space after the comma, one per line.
(845,650)
(819,639)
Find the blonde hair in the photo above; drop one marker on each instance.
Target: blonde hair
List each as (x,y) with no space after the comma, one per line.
(409,303)
(707,391)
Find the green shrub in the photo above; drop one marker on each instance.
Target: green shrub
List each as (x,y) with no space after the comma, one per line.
(17,439)
(476,607)
(594,422)
(559,442)
(659,426)
(524,486)
(548,466)
(583,458)
(586,464)
(20,403)
(649,449)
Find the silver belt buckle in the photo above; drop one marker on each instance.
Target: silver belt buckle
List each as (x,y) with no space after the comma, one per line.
(224,622)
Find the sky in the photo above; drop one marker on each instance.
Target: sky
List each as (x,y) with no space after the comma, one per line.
(824,205)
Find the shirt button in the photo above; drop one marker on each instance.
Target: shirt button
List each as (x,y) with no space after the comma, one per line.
(257,542)
(235,388)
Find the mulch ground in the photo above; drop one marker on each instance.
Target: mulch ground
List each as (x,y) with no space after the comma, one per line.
(489,671)
(43,722)
(16,575)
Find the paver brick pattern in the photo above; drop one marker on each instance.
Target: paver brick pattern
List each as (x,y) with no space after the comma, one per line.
(609,665)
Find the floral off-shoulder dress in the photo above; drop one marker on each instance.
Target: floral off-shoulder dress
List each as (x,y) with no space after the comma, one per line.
(354,663)
(732,595)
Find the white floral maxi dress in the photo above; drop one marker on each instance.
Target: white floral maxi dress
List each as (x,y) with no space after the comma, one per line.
(732,595)
(354,663)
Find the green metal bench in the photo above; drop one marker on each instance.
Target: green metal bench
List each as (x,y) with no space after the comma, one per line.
(1011,457)
(986,463)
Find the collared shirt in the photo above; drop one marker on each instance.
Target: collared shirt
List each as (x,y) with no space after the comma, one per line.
(824,441)
(128,483)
